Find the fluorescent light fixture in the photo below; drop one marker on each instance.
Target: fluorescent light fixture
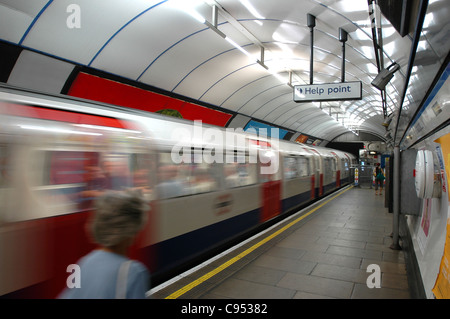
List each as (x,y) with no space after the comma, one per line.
(188,6)
(252,9)
(197,16)
(237,46)
(428,21)
(279,77)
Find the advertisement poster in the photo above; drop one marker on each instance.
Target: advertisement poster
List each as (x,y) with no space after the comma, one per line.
(442,286)
(425,223)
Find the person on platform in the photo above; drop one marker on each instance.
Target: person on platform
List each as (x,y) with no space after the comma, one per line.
(379,179)
(107,272)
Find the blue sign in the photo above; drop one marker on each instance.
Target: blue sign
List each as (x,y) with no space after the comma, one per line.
(264,129)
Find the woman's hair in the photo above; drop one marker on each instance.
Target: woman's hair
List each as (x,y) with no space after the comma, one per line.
(118,216)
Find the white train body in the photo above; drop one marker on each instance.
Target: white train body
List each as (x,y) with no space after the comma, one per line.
(208,186)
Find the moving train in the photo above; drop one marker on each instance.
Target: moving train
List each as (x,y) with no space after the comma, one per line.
(207,186)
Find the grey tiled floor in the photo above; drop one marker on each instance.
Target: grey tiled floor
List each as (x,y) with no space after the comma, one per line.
(324,256)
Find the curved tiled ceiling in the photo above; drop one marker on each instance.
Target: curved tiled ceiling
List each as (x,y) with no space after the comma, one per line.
(165,44)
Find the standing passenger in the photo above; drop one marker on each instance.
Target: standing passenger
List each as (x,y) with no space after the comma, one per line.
(107,272)
(379,179)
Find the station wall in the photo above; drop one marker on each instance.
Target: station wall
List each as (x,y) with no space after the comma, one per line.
(35,70)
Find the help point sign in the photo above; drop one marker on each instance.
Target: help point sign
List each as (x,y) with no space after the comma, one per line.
(328,92)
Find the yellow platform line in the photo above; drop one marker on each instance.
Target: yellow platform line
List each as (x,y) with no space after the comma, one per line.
(225,265)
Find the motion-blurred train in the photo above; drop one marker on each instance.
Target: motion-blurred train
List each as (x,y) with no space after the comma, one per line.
(58,154)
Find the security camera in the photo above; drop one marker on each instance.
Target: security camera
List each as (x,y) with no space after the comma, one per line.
(385,75)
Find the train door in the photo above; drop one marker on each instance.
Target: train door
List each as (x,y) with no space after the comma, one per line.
(271,184)
(312,169)
(318,173)
(338,169)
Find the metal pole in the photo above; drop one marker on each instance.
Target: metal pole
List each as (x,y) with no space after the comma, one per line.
(311,64)
(395,225)
(215,19)
(343,39)
(343,63)
(311,22)
(380,34)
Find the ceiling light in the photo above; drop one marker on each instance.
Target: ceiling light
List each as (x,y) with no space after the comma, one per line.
(252,9)
(189,8)
(237,46)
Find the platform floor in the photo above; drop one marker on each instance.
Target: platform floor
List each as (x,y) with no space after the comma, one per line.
(322,251)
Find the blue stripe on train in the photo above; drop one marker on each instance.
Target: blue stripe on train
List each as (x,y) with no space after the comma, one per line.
(295,200)
(176,251)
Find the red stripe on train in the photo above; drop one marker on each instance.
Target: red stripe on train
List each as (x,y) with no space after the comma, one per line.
(59,115)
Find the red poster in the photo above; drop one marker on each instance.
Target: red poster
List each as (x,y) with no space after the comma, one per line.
(95,88)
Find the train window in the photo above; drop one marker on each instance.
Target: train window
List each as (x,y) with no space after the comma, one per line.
(295,167)
(303,166)
(5,180)
(191,176)
(328,166)
(290,168)
(173,180)
(204,178)
(5,165)
(143,168)
(65,168)
(240,172)
(70,180)
(344,166)
(57,179)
